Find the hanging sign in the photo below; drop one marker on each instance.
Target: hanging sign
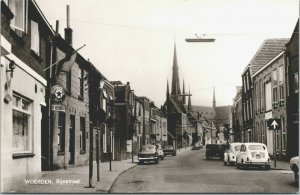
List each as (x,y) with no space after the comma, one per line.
(57,94)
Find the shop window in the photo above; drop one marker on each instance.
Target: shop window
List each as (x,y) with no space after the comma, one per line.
(22,124)
(82,135)
(35,38)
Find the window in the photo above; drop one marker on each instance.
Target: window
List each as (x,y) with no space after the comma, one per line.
(104,100)
(250,108)
(104,136)
(35,37)
(61,132)
(280,81)
(274,77)
(244,84)
(275,94)
(80,76)
(296,82)
(262,132)
(275,82)
(260,94)
(268,98)
(82,135)
(257,96)
(22,125)
(283,130)
(18,8)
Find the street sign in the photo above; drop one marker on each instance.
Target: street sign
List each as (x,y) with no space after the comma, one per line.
(274,124)
(58,107)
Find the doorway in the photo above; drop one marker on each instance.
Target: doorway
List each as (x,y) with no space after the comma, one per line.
(72,140)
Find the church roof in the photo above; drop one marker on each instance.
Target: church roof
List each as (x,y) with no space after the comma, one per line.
(223,112)
(205,111)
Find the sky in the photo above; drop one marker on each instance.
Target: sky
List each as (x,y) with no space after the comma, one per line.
(133,40)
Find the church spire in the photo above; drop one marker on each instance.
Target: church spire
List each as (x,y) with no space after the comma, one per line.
(189,101)
(168,94)
(175,76)
(183,91)
(214,99)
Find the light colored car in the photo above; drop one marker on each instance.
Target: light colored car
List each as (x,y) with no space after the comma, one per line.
(231,153)
(294,165)
(197,146)
(148,153)
(253,154)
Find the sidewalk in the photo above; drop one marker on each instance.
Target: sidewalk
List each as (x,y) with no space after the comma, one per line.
(76,180)
(280,165)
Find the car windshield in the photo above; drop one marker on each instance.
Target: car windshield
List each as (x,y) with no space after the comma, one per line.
(256,147)
(168,147)
(148,148)
(237,148)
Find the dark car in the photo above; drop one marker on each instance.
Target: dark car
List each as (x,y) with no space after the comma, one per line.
(148,153)
(169,150)
(215,150)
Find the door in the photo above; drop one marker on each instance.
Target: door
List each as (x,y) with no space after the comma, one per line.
(72,140)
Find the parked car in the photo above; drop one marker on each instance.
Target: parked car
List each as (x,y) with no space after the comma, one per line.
(294,165)
(161,154)
(253,154)
(148,153)
(231,153)
(215,150)
(197,146)
(169,150)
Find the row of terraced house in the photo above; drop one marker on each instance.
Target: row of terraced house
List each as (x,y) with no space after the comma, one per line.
(56,106)
(270,90)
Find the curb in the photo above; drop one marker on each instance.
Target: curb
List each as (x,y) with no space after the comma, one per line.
(115,180)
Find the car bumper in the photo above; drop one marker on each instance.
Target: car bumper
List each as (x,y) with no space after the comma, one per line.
(147,158)
(258,163)
(170,152)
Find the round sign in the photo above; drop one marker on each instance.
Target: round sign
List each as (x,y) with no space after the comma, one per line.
(57,93)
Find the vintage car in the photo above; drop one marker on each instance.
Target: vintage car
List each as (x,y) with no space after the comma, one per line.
(253,155)
(215,150)
(294,166)
(169,150)
(231,153)
(148,153)
(197,146)
(160,152)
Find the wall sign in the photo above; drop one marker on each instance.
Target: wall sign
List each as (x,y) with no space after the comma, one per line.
(57,94)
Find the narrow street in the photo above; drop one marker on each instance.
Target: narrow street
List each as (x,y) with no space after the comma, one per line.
(190,172)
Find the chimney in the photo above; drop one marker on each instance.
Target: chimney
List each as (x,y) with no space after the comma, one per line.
(68,30)
(57,27)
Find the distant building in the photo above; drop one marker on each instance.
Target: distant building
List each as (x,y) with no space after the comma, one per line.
(124,120)
(217,117)
(175,110)
(237,116)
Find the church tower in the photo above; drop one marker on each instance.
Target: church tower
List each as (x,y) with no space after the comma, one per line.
(183,91)
(190,102)
(175,91)
(214,99)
